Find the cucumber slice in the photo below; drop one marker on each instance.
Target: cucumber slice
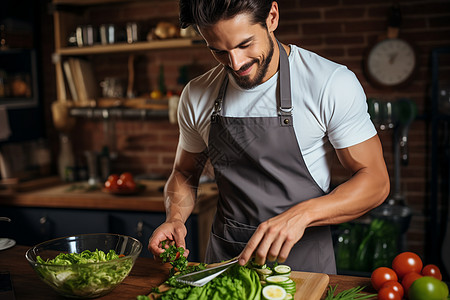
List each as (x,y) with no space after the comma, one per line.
(277,279)
(264,271)
(282,269)
(273,292)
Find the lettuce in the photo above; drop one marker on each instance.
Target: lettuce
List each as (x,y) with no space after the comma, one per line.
(84,274)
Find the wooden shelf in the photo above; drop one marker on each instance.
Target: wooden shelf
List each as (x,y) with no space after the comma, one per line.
(88,2)
(134,47)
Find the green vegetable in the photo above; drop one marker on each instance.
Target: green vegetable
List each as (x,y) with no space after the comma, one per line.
(75,273)
(350,294)
(174,256)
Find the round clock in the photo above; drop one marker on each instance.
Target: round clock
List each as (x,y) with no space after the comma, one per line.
(390,63)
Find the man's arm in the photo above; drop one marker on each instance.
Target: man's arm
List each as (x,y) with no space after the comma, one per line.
(366,189)
(180,194)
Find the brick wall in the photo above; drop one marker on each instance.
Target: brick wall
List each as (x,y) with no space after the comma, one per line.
(340,30)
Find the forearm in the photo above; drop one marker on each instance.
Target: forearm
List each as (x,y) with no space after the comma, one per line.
(180,193)
(350,200)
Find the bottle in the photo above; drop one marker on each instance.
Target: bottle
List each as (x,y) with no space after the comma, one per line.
(66,160)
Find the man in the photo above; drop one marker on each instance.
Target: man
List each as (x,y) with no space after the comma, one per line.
(269,117)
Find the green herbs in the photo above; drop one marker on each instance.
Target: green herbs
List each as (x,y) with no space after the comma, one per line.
(350,294)
(174,256)
(85,274)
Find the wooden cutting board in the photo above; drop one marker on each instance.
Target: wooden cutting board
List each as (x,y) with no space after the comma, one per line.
(310,286)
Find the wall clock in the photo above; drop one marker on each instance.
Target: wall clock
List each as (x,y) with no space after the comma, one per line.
(390,63)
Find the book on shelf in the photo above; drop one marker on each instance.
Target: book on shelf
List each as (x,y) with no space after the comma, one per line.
(81,81)
(70,81)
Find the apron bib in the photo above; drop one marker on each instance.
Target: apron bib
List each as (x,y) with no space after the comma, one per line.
(260,172)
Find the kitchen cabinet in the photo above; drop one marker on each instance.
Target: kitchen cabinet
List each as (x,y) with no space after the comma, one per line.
(33,225)
(61,210)
(70,19)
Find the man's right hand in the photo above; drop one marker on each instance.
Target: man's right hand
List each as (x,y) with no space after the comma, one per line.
(172,231)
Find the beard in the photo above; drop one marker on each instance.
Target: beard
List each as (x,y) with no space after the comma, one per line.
(246,82)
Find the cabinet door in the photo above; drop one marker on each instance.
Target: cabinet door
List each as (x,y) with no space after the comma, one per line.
(142,225)
(30,226)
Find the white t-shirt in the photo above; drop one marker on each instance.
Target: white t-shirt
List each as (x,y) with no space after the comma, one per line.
(329,108)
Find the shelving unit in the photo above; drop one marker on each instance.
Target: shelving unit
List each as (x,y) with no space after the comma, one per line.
(68,14)
(439,188)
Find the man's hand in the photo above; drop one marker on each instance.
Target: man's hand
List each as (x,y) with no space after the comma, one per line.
(174,231)
(274,238)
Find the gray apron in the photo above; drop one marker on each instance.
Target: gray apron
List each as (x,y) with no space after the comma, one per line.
(260,173)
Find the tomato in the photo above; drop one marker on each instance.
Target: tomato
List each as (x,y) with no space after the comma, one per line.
(381,275)
(428,288)
(408,279)
(126,176)
(433,271)
(394,285)
(407,262)
(111,182)
(387,293)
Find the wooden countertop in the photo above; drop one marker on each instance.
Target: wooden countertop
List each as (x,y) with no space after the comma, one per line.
(146,274)
(78,195)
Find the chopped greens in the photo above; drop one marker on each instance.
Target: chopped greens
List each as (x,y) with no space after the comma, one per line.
(77,274)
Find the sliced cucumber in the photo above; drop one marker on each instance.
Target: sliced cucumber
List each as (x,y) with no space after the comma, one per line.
(282,269)
(288,296)
(273,292)
(277,279)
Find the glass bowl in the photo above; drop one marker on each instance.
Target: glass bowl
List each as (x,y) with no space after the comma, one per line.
(86,280)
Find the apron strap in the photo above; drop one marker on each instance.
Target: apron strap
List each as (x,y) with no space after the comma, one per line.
(285,111)
(219,100)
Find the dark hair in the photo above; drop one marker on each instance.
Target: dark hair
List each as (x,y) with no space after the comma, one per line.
(202,13)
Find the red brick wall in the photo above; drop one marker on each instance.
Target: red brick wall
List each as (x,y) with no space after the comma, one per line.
(340,30)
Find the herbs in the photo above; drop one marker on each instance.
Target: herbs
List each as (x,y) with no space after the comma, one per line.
(350,294)
(174,255)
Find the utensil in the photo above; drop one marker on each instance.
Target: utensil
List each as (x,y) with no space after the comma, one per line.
(5,219)
(202,277)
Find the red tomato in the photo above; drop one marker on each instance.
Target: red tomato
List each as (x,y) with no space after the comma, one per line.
(407,262)
(432,270)
(111,183)
(130,185)
(388,293)
(394,285)
(408,279)
(381,275)
(126,176)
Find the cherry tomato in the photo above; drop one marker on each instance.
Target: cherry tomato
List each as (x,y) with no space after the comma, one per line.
(428,288)
(381,275)
(406,262)
(111,182)
(125,176)
(130,185)
(433,271)
(388,293)
(394,285)
(408,279)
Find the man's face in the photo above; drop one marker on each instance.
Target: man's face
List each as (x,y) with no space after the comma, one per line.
(245,49)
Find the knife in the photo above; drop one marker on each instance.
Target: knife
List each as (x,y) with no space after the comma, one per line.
(202,277)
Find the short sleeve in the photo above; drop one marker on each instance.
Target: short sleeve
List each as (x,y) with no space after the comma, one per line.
(346,108)
(190,138)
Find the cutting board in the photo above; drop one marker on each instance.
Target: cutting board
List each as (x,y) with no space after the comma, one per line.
(310,286)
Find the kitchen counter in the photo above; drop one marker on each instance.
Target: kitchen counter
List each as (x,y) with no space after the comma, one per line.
(78,195)
(146,273)
(48,209)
